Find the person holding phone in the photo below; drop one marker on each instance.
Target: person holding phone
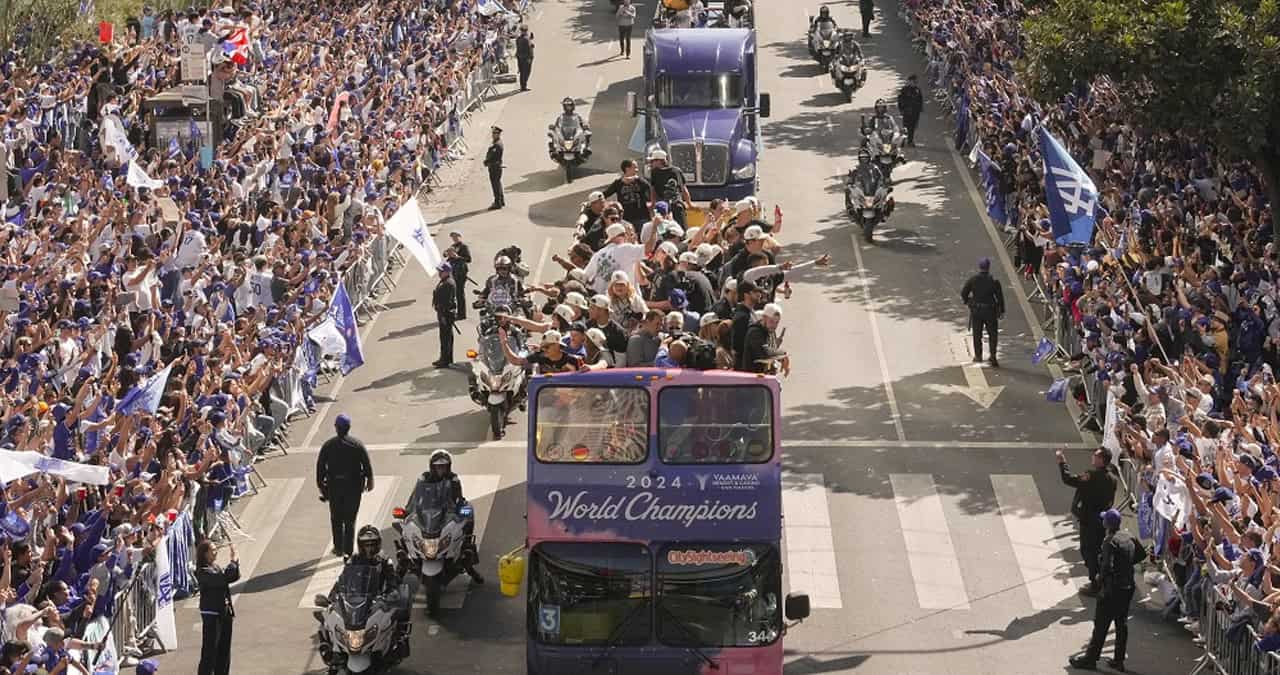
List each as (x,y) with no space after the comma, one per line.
(216,610)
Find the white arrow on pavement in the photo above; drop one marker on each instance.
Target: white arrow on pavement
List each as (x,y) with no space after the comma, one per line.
(976,387)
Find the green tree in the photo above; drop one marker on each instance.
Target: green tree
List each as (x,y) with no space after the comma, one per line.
(1207,65)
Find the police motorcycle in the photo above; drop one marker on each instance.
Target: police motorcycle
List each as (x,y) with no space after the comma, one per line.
(822,37)
(504,287)
(883,139)
(848,71)
(569,141)
(866,195)
(364,627)
(494,384)
(437,537)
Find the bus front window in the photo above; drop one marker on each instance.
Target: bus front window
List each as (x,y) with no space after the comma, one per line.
(719,595)
(715,424)
(589,593)
(602,425)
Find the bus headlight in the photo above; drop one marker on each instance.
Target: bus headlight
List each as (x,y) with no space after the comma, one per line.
(745,172)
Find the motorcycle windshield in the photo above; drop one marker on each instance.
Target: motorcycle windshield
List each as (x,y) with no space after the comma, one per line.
(569,128)
(430,510)
(356,589)
(826,31)
(491,353)
(867,183)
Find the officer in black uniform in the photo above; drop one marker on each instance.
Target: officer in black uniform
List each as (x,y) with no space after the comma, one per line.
(458,255)
(867,9)
(910,105)
(1095,492)
(985,299)
(1120,552)
(341,470)
(524,56)
(493,162)
(445,301)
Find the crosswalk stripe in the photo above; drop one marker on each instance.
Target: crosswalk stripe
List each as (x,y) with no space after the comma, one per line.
(261,519)
(1035,545)
(930,551)
(474,487)
(811,556)
(374,510)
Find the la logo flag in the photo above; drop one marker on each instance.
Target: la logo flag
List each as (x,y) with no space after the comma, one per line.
(145,396)
(1069,193)
(1043,350)
(409,228)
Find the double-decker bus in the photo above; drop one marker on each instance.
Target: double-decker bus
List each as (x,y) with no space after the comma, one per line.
(655,524)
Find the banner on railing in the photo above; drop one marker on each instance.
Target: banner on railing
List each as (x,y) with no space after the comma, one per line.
(166,622)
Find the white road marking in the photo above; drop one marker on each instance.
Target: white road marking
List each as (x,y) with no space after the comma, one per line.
(833,443)
(542,260)
(976,388)
(1035,545)
(877,340)
(1006,263)
(474,487)
(811,556)
(930,551)
(260,519)
(599,83)
(374,510)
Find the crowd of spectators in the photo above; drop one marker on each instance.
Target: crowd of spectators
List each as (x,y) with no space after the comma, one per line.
(215,270)
(1170,314)
(640,289)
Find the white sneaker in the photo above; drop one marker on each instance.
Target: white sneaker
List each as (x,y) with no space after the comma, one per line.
(1194,626)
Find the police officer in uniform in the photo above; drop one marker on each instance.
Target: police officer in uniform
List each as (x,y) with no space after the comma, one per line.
(341,470)
(985,299)
(910,105)
(493,162)
(524,56)
(445,301)
(458,255)
(867,9)
(1095,492)
(1120,552)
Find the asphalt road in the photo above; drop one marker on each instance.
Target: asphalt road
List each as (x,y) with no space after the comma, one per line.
(931,531)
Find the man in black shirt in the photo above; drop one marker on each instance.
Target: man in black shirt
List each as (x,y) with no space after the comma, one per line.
(633,193)
(753,241)
(985,298)
(445,302)
(493,162)
(723,308)
(598,317)
(696,286)
(667,184)
(1119,553)
(524,56)
(910,105)
(550,358)
(744,314)
(341,470)
(458,255)
(758,348)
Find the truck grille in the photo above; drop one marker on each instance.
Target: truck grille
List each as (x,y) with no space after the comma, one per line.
(715,162)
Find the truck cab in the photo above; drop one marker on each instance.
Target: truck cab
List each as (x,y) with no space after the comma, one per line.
(701,104)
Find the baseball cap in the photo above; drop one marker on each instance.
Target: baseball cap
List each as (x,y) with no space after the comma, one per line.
(564,311)
(596,196)
(551,336)
(597,338)
(707,319)
(615,230)
(730,285)
(673,230)
(342,421)
(619,277)
(1222,494)
(669,248)
(657,153)
(742,206)
(444,267)
(1110,518)
(601,301)
(147,667)
(576,300)
(773,310)
(662,207)
(754,232)
(984,263)
(678,299)
(689,257)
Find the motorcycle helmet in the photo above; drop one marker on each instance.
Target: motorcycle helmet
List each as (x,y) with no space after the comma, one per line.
(502,264)
(441,463)
(824,14)
(567,104)
(882,108)
(864,156)
(369,541)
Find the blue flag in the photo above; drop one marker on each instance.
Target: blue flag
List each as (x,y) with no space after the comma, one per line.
(1069,193)
(175,148)
(311,352)
(1043,350)
(145,396)
(1057,391)
(344,319)
(991,180)
(962,123)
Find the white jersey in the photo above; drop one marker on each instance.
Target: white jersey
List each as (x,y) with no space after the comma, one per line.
(260,288)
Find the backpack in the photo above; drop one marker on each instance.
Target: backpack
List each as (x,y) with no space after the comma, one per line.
(701,354)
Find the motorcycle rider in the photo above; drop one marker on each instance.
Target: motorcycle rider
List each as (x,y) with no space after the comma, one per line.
(385,580)
(570,116)
(502,288)
(882,119)
(849,48)
(866,172)
(440,469)
(823,20)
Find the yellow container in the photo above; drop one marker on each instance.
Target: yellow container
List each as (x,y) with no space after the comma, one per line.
(694,216)
(511,572)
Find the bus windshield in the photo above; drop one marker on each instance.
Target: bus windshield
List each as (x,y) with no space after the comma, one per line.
(590,593)
(710,90)
(604,425)
(719,595)
(715,424)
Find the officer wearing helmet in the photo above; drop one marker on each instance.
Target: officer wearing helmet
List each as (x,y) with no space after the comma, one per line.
(440,469)
(882,119)
(824,18)
(383,580)
(445,302)
(570,117)
(502,287)
(849,46)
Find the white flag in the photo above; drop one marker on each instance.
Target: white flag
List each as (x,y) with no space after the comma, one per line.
(115,137)
(166,622)
(1172,502)
(327,336)
(138,178)
(408,227)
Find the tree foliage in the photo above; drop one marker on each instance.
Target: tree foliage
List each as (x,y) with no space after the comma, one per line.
(1207,65)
